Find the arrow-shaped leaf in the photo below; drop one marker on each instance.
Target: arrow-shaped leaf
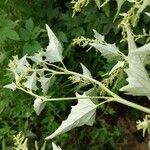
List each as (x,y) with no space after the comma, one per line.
(139,81)
(31,82)
(38,105)
(55,147)
(54,49)
(83,113)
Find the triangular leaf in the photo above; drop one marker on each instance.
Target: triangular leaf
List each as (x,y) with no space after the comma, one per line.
(139,81)
(31,82)
(45,83)
(21,64)
(98,3)
(110,51)
(119,5)
(38,105)
(11,86)
(83,113)
(98,36)
(55,147)
(54,49)
(120,64)
(37,58)
(86,72)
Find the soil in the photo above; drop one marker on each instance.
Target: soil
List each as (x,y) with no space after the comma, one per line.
(133,139)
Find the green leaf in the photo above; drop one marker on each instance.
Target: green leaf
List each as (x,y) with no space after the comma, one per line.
(138,78)
(83,113)
(21,64)
(24,34)
(11,34)
(54,49)
(3,104)
(38,105)
(31,47)
(31,82)
(29,24)
(63,37)
(7,23)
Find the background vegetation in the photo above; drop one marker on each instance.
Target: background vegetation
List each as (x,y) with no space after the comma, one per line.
(22,30)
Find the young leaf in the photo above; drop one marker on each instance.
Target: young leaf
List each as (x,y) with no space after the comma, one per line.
(54,49)
(98,36)
(86,72)
(120,64)
(83,113)
(98,3)
(148,14)
(11,86)
(55,147)
(45,83)
(37,57)
(22,64)
(110,51)
(139,81)
(31,82)
(119,5)
(38,105)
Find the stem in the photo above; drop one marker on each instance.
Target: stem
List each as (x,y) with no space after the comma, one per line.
(109,100)
(112,94)
(133,105)
(63,98)
(75,98)
(116,97)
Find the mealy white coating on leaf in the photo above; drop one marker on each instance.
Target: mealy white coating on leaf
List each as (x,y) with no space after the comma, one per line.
(86,72)
(131,1)
(98,3)
(119,5)
(110,51)
(138,79)
(22,65)
(11,86)
(38,105)
(98,36)
(120,64)
(82,113)
(55,147)
(31,82)
(54,49)
(46,82)
(37,57)
(148,14)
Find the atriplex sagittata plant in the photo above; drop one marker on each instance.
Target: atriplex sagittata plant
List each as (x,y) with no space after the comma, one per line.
(42,68)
